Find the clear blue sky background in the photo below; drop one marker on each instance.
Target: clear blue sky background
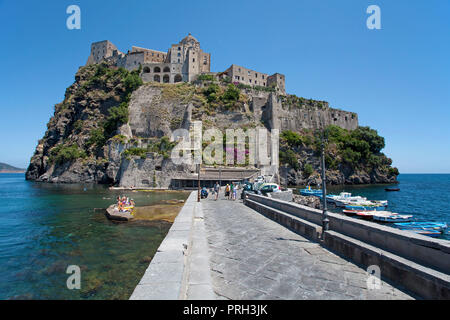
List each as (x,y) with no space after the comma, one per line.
(396,79)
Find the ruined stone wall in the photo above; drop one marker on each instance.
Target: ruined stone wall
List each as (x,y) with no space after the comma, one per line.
(102,50)
(311,115)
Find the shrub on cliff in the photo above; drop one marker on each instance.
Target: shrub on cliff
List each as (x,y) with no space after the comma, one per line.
(131,82)
(162,146)
(117,116)
(211,92)
(206,77)
(134,151)
(231,94)
(289,157)
(96,137)
(308,169)
(63,153)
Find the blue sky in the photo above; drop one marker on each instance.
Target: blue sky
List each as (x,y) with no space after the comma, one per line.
(397,79)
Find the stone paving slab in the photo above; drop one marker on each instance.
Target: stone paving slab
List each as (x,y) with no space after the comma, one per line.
(253,257)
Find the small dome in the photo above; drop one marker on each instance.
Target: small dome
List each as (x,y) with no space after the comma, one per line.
(189,38)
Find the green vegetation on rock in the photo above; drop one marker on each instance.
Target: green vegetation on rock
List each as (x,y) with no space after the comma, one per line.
(356,151)
(162,146)
(66,153)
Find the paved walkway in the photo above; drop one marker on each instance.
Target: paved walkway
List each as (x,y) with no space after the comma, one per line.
(253,257)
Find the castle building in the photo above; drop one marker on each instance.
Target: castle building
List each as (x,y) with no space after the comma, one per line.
(183,62)
(253,78)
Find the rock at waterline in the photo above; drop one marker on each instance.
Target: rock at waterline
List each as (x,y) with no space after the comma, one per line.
(113,213)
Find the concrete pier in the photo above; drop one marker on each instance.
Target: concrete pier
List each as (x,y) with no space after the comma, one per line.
(227,250)
(253,257)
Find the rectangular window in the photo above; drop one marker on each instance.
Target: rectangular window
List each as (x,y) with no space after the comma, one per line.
(263,76)
(193,59)
(250,80)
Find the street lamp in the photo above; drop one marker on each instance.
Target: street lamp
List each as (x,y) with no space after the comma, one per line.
(198,183)
(325,221)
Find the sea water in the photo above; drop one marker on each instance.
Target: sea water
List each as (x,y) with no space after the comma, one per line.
(44,228)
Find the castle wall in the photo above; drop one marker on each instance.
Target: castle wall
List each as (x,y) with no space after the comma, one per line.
(246,76)
(277,80)
(151,56)
(162,72)
(307,117)
(102,50)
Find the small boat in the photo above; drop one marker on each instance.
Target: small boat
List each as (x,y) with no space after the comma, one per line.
(350,212)
(310,192)
(367,215)
(392,217)
(365,207)
(440,226)
(343,198)
(392,189)
(425,232)
(113,213)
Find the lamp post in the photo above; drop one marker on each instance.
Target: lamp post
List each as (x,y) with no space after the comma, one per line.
(325,221)
(198,183)
(286,174)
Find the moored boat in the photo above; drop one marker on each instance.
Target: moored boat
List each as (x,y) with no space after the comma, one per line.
(310,192)
(440,226)
(426,232)
(392,217)
(367,215)
(365,207)
(392,189)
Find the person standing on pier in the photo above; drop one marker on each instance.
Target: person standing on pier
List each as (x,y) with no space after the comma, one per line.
(230,196)
(216,190)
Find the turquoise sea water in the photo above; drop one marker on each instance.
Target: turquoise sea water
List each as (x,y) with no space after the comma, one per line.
(426,196)
(44,228)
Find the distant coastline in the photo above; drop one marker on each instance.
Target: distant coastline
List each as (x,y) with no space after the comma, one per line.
(6,168)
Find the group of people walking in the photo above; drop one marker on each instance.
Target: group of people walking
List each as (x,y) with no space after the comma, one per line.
(230,191)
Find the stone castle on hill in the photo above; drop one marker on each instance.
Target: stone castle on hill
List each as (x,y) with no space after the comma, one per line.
(183,61)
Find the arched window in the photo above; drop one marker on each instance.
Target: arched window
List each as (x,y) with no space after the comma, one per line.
(178,78)
(157,78)
(146,70)
(157,69)
(166,78)
(166,69)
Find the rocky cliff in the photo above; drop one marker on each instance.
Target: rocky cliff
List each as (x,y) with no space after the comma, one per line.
(112,128)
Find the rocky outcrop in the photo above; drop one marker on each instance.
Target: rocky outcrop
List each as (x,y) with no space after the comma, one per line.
(110,129)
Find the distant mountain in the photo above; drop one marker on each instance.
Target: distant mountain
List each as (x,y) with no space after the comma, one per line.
(6,168)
